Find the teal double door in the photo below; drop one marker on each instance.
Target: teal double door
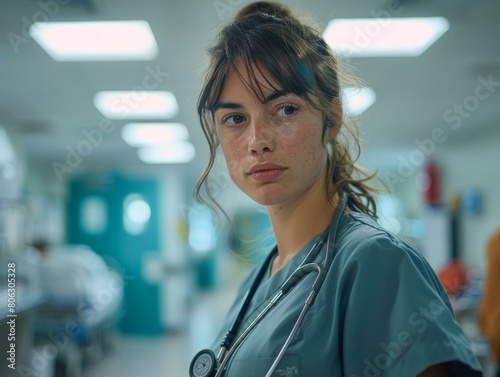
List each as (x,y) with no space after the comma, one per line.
(117,216)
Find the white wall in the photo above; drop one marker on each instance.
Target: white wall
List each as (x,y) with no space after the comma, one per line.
(46,198)
(34,197)
(469,160)
(473,161)
(176,283)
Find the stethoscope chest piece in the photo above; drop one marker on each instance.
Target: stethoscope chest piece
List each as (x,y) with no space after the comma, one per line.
(203,365)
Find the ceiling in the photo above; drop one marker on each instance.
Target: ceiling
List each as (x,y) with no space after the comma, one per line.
(46,104)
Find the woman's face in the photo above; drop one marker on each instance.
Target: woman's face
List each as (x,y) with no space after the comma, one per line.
(273,150)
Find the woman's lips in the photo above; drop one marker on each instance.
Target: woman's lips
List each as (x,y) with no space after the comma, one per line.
(266,171)
(267,175)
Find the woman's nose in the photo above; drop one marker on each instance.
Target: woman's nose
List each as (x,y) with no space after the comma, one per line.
(262,138)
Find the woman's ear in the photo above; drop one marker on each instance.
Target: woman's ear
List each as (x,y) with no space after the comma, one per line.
(337,117)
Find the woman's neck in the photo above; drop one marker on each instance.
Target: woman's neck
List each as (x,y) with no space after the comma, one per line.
(299,221)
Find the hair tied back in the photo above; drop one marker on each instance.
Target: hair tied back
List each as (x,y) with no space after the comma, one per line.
(264,7)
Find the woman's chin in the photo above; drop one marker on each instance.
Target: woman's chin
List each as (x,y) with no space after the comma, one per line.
(268,198)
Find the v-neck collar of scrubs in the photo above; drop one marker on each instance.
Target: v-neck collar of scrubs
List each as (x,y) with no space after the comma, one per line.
(270,284)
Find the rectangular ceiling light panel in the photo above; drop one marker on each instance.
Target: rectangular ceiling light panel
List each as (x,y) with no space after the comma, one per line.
(136,104)
(144,134)
(171,153)
(91,41)
(372,37)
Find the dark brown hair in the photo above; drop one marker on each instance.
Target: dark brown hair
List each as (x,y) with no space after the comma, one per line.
(267,35)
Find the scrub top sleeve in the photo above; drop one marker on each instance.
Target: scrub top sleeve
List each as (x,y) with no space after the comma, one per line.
(397,318)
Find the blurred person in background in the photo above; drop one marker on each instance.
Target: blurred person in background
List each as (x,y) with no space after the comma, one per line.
(37,251)
(338,295)
(489,309)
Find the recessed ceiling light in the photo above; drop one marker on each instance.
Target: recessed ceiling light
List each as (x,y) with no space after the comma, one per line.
(136,104)
(105,40)
(357,100)
(360,37)
(142,134)
(170,153)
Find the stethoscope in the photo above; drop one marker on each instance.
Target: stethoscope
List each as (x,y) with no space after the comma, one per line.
(206,364)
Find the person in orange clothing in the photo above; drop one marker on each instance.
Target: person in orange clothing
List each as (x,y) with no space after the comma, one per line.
(489,309)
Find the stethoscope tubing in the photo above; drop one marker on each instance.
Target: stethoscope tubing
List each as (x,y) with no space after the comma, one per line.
(303,270)
(308,302)
(222,363)
(306,269)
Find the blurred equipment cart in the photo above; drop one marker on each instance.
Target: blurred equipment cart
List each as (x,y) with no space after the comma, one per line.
(77,321)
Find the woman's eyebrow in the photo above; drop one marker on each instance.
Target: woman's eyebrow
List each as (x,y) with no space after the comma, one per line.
(227,105)
(276,94)
(234,105)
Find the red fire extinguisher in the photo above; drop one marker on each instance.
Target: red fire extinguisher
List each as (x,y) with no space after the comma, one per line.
(431,189)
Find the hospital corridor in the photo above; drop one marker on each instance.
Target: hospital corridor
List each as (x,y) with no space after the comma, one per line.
(220,188)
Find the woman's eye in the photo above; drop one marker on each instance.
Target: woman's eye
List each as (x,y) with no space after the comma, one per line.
(233,119)
(287,110)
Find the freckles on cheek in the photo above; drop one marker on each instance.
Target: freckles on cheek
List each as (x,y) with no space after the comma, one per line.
(231,156)
(224,142)
(229,151)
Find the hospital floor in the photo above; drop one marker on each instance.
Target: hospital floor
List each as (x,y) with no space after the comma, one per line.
(169,355)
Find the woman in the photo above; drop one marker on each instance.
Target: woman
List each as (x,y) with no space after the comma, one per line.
(366,303)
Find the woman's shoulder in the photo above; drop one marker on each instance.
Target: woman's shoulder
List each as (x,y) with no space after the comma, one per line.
(361,241)
(360,234)
(371,259)
(387,291)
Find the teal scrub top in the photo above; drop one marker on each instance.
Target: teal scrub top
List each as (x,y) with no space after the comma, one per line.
(381,312)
